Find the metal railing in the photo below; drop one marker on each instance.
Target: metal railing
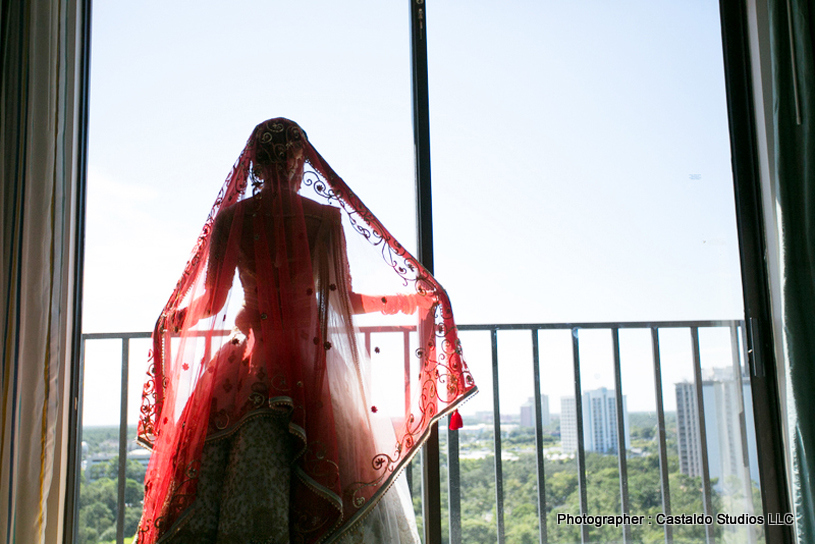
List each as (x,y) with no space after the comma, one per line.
(453,447)
(126,338)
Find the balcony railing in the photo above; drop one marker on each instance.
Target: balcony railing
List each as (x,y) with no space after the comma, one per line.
(453,449)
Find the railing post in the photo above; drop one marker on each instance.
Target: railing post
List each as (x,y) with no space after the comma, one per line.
(539,458)
(453,487)
(707,493)
(406,349)
(581,451)
(621,449)
(367,337)
(496,425)
(122,480)
(663,449)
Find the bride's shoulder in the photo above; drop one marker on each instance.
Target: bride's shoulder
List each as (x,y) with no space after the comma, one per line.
(317,209)
(226,214)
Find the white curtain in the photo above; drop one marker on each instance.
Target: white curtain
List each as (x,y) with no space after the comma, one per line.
(42,48)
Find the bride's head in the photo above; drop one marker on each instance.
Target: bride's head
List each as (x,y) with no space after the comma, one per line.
(278,152)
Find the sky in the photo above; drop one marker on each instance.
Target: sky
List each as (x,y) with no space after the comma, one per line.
(580,164)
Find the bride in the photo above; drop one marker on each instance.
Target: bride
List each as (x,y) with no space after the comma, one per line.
(261,419)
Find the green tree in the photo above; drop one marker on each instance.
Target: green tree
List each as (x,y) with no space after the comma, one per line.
(560,487)
(99,505)
(133,470)
(108,535)
(478,531)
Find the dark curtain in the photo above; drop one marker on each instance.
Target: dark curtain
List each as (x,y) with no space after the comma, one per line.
(792,30)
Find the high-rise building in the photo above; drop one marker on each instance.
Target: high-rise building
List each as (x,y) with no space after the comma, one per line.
(568,424)
(599,422)
(528,412)
(687,430)
(728,436)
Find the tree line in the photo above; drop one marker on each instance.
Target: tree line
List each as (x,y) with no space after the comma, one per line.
(99,509)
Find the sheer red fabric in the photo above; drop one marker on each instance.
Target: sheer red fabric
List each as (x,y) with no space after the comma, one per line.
(265,321)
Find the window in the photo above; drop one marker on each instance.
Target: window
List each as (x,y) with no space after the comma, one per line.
(583,217)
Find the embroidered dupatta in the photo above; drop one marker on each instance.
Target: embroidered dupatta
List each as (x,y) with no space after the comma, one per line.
(266,318)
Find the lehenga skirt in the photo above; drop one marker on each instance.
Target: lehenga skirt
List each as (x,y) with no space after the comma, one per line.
(243,487)
(243,494)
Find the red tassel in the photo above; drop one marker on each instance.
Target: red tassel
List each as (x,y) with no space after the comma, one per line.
(455,421)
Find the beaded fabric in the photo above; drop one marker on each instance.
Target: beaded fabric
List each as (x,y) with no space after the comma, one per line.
(266,322)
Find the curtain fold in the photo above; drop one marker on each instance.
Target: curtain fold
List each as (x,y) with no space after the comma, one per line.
(39,183)
(793,76)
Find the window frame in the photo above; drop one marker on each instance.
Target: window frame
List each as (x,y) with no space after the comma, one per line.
(752,231)
(751,226)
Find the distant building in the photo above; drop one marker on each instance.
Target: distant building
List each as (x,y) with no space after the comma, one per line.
(599,422)
(141,455)
(134,453)
(730,442)
(91,461)
(528,412)
(687,430)
(568,424)
(484,416)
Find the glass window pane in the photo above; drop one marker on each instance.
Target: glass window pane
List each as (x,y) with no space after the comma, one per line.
(176,91)
(582,174)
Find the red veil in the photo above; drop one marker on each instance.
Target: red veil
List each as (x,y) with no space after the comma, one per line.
(286,336)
